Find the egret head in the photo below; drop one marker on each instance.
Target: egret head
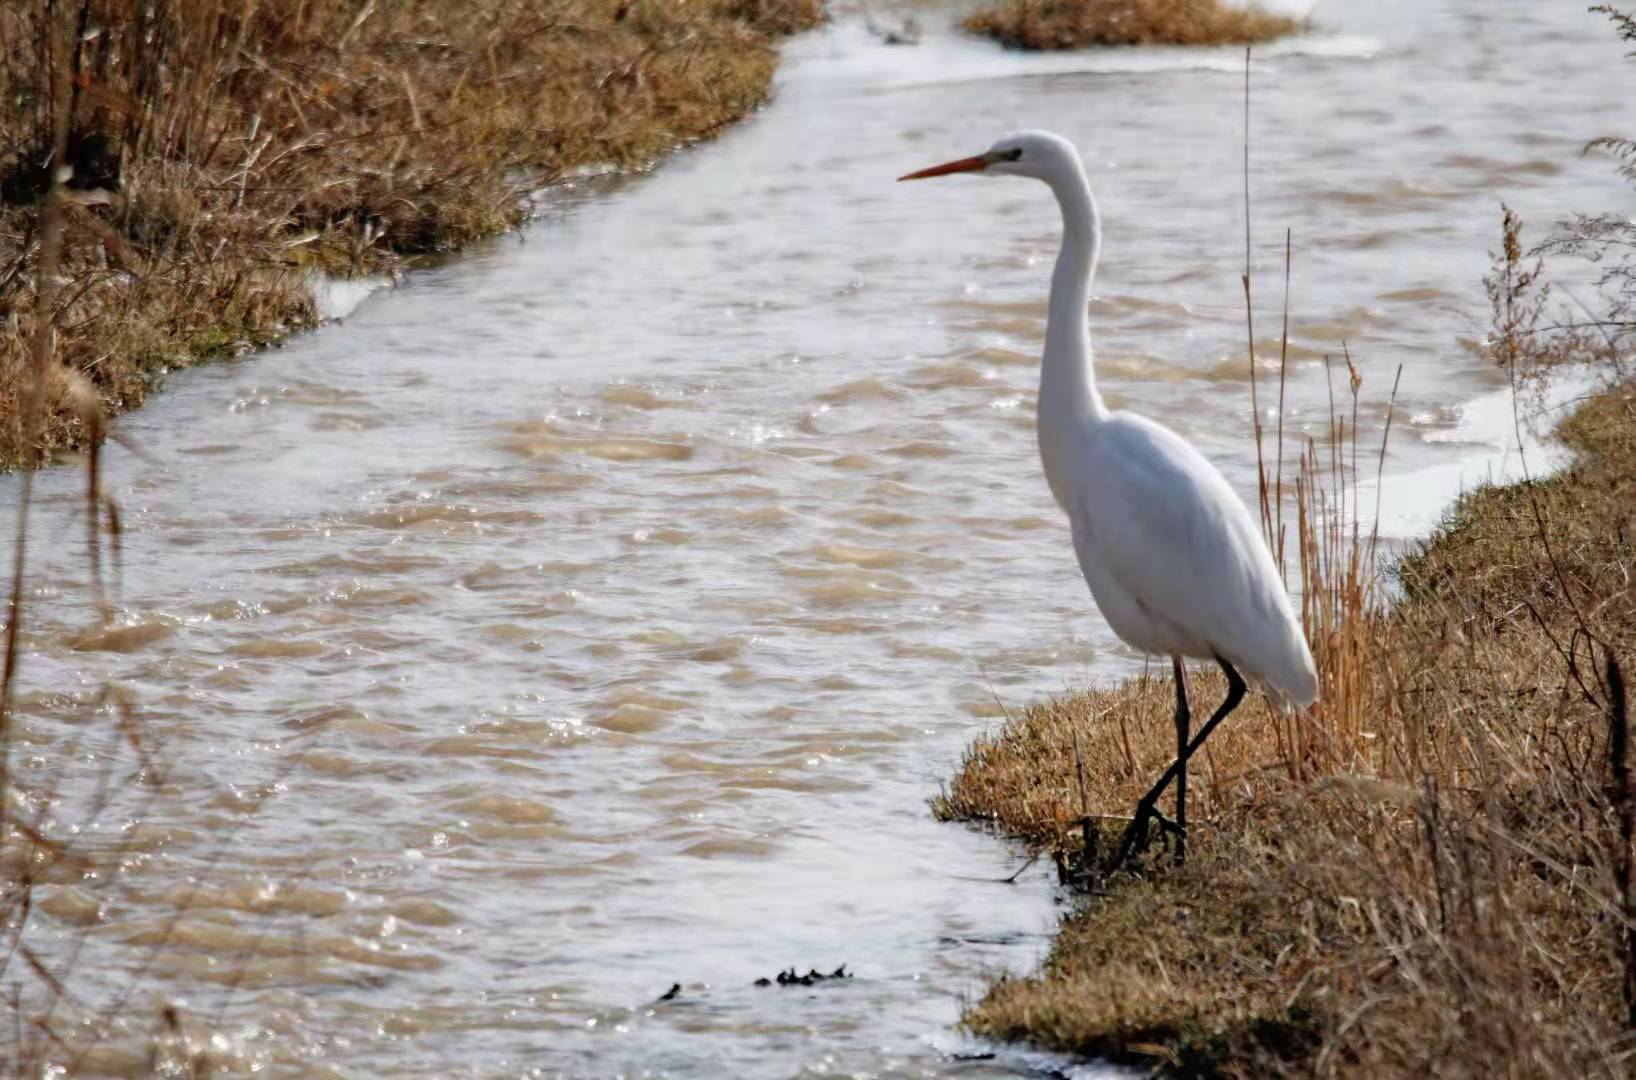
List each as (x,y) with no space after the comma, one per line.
(1042,155)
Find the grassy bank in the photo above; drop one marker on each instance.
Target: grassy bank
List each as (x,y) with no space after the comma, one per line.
(223,151)
(1077,24)
(1421,878)
(1430,872)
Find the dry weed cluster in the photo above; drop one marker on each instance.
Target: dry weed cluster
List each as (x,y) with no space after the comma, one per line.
(1075,24)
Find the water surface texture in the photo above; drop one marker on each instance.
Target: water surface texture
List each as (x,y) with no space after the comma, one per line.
(598,612)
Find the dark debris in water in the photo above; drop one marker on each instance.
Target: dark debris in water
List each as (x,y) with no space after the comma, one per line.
(1004,937)
(813,976)
(672,993)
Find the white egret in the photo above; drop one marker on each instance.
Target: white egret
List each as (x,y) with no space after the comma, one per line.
(1171,554)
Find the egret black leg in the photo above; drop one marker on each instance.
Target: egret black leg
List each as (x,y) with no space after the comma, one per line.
(1136,831)
(1183,722)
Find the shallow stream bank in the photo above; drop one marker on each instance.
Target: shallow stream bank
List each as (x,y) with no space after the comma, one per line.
(1425,887)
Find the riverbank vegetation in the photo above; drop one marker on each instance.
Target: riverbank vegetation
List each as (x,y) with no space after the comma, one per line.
(1424,876)
(223,152)
(1077,24)
(1430,872)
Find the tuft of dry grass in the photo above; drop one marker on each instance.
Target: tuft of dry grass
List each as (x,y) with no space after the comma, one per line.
(1076,24)
(223,151)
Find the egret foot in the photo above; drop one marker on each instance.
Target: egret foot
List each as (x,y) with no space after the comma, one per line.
(1135,838)
(1138,837)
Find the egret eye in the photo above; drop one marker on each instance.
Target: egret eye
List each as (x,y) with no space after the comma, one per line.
(1013,155)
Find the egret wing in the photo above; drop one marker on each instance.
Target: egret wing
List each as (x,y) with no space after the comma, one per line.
(1162,522)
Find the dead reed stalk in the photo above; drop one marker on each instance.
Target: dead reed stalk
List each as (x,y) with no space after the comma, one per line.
(1624,805)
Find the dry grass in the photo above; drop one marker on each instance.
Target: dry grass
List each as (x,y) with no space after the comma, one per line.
(1441,901)
(244,145)
(1076,24)
(1424,874)
(1430,872)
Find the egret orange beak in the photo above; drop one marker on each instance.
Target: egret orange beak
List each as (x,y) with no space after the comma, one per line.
(970,164)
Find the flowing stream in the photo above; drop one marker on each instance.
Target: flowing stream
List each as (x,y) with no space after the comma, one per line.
(598,611)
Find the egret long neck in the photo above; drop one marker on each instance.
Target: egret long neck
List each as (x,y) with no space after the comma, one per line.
(1067,381)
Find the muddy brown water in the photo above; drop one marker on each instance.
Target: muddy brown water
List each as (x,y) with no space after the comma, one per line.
(597,612)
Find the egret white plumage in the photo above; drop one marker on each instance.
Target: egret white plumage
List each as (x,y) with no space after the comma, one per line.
(1172,556)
